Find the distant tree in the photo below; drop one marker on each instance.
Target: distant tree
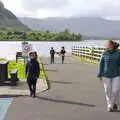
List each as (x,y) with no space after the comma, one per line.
(67,31)
(66,35)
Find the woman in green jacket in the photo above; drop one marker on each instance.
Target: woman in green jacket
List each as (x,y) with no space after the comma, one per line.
(109,70)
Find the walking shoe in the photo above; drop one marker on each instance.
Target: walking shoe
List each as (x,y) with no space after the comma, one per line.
(118,108)
(115,107)
(110,109)
(34,95)
(31,94)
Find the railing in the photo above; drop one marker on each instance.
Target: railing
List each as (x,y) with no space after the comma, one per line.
(88,53)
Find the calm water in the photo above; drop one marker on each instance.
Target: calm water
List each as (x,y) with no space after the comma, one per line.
(8,49)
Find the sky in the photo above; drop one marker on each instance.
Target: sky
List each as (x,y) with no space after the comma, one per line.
(109,9)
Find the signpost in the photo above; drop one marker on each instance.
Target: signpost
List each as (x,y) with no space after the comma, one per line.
(26,48)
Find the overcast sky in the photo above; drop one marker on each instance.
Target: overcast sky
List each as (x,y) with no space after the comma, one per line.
(64,8)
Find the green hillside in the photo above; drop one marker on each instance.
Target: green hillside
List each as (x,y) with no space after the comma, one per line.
(9,21)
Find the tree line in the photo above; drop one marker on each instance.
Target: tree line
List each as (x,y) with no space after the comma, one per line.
(66,35)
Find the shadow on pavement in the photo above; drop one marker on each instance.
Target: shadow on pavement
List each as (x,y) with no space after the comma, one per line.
(60,82)
(51,70)
(58,63)
(12,96)
(66,102)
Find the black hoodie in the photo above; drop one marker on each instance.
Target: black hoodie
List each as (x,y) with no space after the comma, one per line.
(32,70)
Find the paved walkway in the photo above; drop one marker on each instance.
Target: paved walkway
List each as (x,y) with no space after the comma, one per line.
(75,94)
(22,88)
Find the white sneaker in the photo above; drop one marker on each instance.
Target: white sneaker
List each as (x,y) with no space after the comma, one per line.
(115,107)
(110,108)
(118,108)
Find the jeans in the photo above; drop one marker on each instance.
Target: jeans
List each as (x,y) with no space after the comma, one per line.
(32,86)
(112,87)
(52,59)
(63,58)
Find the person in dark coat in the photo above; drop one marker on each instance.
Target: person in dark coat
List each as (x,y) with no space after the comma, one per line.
(32,73)
(62,53)
(52,54)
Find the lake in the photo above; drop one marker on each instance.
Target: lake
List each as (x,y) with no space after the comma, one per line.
(8,49)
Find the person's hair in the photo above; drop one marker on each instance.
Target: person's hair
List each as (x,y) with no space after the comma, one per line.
(34,54)
(115,44)
(111,42)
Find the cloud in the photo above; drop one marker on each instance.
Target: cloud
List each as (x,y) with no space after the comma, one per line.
(35,5)
(64,8)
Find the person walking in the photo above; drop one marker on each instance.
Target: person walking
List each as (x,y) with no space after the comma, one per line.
(109,71)
(62,53)
(32,73)
(52,54)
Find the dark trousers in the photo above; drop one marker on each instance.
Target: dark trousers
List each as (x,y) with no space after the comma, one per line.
(32,86)
(63,58)
(52,59)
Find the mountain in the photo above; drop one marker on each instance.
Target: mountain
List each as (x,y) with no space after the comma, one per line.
(9,21)
(87,26)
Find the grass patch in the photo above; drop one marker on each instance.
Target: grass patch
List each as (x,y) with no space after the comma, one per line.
(42,75)
(20,66)
(3,59)
(43,68)
(85,59)
(21,69)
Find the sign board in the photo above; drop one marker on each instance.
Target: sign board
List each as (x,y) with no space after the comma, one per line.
(26,48)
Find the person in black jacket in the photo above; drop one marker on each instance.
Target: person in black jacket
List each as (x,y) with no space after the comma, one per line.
(32,73)
(62,53)
(52,54)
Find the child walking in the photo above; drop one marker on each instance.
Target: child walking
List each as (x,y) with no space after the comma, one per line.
(32,73)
